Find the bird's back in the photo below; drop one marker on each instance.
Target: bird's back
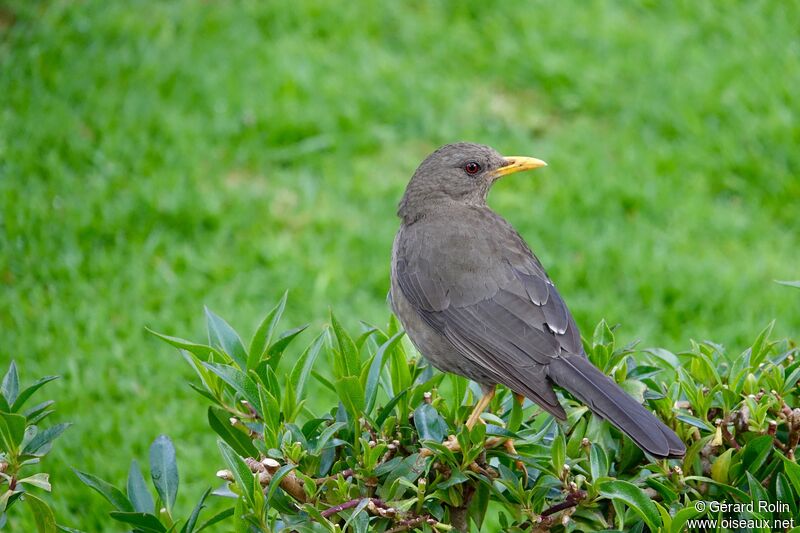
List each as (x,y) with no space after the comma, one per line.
(465,255)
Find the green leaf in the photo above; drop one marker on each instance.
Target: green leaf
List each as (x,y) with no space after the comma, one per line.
(301,370)
(387,409)
(277,348)
(275,482)
(784,493)
(792,471)
(219,517)
(39,479)
(219,420)
(316,515)
(634,388)
(10,386)
(66,529)
(399,369)
(430,425)
(696,422)
(348,363)
(12,431)
(241,473)
(350,394)
(326,435)
(375,368)
(459,385)
(164,470)
(789,283)
(670,359)
(42,514)
(111,493)
(761,346)
(211,383)
(200,350)
(354,514)
(221,335)
(409,468)
(268,378)
(142,521)
(457,477)
(189,526)
(325,382)
(666,491)
(204,393)
(598,462)
(729,489)
(754,454)
(43,441)
(791,381)
(602,334)
(757,491)
(719,470)
(633,497)
(138,493)
(446,455)
(491,430)
(367,333)
(479,504)
(29,391)
(682,516)
(263,335)
(240,382)
(576,436)
(558,451)
(515,418)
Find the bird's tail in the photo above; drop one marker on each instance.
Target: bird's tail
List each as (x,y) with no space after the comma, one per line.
(606,399)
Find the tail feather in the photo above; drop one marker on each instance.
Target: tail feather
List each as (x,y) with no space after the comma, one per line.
(605,398)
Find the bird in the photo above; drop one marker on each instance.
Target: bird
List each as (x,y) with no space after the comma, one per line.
(475,301)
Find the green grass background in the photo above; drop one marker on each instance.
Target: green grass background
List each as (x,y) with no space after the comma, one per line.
(158,156)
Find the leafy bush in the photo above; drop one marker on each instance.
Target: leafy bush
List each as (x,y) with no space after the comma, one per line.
(23,444)
(137,507)
(393,453)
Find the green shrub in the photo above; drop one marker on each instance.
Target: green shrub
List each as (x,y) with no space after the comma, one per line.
(393,453)
(23,444)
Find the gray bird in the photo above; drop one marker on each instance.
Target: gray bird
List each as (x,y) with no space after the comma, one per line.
(476,302)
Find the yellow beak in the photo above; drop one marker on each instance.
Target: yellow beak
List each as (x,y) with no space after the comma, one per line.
(517,164)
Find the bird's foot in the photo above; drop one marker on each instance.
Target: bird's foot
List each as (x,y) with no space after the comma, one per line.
(452,444)
(509,444)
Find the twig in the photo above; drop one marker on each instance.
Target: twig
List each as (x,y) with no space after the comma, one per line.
(289,482)
(573,499)
(408,523)
(344,473)
(352,503)
(265,470)
(727,434)
(794,433)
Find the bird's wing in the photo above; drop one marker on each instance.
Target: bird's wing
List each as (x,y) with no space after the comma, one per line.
(491,298)
(478,284)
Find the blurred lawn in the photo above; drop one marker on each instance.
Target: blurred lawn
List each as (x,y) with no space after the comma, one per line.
(158,156)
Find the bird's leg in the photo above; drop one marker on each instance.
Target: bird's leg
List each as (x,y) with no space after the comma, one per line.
(508,443)
(480,407)
(509,446)
(452,444)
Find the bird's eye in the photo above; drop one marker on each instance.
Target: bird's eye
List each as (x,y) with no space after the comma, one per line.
(472,168)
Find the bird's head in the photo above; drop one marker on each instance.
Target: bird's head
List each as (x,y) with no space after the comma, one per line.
(460,172)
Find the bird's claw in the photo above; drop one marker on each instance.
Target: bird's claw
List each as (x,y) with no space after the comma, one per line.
(509,445)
